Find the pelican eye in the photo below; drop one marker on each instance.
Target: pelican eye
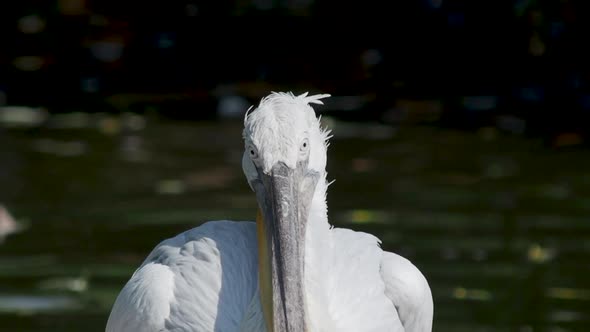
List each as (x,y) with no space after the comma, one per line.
(252,152)
(304,147)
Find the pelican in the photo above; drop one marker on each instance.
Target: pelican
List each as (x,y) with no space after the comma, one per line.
(290,270)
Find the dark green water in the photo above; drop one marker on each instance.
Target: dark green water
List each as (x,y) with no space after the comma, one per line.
(499,225)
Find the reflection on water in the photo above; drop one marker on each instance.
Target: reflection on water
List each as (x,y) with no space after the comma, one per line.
(497,223)
(33,304)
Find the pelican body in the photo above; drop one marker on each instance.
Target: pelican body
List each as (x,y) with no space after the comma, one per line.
(290,270)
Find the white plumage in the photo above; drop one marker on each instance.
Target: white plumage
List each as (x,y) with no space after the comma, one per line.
(207,278)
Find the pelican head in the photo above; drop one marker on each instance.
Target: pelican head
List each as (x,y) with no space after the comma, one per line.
(284,158)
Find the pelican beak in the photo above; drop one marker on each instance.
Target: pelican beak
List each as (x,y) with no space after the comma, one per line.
(284,197)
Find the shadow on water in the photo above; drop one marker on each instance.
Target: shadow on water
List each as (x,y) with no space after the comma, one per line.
(498,224)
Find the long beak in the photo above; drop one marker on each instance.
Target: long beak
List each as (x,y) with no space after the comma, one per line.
(284,196)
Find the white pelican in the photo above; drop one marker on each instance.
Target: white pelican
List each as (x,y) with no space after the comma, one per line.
(290,271)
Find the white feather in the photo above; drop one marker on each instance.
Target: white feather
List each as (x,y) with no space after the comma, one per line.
(215,279)
(409,291)
(206,279)
(144,302)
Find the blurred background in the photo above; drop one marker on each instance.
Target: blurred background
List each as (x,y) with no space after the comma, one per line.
(460,139)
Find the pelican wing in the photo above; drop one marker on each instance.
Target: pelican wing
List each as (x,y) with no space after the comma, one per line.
(204,279)
(353,289)
(408,289)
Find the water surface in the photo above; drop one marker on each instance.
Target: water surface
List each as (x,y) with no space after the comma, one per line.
(497,223)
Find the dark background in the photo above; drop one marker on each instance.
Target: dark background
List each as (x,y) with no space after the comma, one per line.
(460,140)
(529,56)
